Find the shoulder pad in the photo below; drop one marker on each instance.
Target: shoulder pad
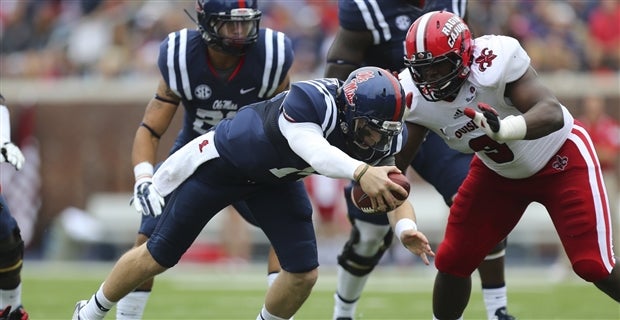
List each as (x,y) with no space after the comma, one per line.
(497,60)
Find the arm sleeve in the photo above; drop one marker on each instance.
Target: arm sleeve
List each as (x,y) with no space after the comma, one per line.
(5,124)
(307,141)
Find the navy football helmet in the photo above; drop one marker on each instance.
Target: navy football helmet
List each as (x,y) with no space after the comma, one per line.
(372,104)
(230,26)
(439,54)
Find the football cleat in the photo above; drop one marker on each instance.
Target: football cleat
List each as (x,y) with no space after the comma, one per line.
(4,314)
(78,306)
(502,314)
(19,314)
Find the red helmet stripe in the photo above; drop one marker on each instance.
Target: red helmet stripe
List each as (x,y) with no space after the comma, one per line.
(398,96)
(243,4)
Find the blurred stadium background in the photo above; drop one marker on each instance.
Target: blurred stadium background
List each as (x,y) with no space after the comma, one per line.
(78,74)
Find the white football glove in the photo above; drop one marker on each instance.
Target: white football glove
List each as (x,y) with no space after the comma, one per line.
(146,199)
(10,153)
(509,128)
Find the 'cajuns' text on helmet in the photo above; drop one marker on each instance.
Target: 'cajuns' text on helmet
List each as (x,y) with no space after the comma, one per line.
(372,104)
(439,53)
(230,26)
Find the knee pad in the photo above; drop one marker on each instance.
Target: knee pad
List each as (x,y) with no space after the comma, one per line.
(357,264)
(498,251)
(590,270)
(11,256)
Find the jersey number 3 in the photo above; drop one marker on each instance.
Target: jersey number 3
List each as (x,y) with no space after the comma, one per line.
(498,152)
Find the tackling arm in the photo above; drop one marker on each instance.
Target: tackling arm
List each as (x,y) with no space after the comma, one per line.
(402,221)
(541,109)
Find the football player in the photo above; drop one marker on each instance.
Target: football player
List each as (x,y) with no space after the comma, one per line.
(373,33)
(226,63)
(11,243)
(482,96)
(344,130)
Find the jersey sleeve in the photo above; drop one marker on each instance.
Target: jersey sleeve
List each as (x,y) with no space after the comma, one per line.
(299,105)
(277,51)
(163,60)
(350,16)
(498,60)
(364,15)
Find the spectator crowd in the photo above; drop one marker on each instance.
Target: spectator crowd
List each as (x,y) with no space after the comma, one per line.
(120,38)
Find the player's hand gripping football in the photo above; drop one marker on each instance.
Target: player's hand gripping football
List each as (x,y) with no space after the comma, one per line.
(146,199)
(376,184)
(10,153)
(509,128)
(416,242)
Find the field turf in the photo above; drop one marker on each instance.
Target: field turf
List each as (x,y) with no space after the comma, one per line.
(190,291)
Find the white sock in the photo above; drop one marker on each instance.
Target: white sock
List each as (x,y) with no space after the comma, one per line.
(494,299)
(343,309)
(97,307)
(350,288)
(132,305)
(265,315)
(271,278)
(11,297)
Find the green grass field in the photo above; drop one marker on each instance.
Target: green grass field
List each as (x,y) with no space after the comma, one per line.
(236,292)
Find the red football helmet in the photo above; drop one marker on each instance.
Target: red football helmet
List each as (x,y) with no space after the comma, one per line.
(439,53)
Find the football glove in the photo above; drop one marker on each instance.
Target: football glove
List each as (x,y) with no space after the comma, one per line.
(146,199)
(509,128)
(10,153)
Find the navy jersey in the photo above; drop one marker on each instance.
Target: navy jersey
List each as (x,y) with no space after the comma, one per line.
(253,143)
(388,21)
(207,98)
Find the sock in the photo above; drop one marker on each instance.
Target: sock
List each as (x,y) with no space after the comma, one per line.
(97,306)
(11,297)
(271,278)
(265,315)
(494,299)
(343,309)
(459,318)
(132,305)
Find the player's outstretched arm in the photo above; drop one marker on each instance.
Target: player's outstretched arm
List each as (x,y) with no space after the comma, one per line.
(402,220)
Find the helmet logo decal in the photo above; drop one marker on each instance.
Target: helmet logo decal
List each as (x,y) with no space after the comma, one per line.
(351,87)
(485,59)
(452,29)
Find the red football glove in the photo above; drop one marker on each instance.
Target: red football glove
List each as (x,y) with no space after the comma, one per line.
(509,128)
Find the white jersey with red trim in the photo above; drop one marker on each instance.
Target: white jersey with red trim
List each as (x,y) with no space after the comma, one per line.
(497,60)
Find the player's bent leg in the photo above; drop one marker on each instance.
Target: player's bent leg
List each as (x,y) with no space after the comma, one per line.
(609,285)
(450,296)
(362,252)
(132,306)
(493,283)
(132,269)
(273,266)
(287,294)
(11,261)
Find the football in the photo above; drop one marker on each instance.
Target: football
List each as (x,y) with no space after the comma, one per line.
(362,201)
